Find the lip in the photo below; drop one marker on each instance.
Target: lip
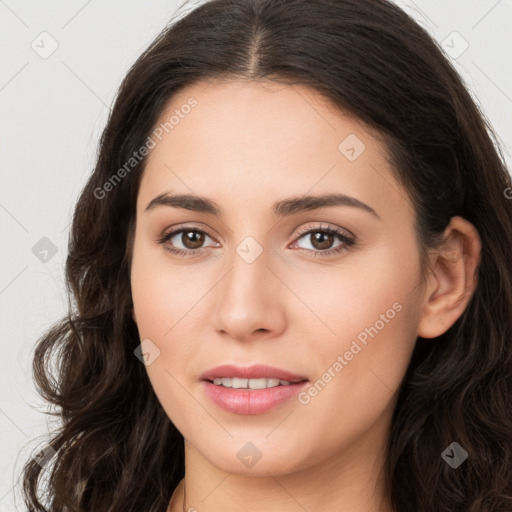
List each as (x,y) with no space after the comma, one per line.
(257,371)
(251,401)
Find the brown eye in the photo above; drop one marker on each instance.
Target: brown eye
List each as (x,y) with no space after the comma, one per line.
(192,239)
(321,240)
(185,241)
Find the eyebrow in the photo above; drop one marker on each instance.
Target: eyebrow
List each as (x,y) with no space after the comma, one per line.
(281,208)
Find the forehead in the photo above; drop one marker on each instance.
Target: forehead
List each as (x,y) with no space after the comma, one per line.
(239,138)
(239,110)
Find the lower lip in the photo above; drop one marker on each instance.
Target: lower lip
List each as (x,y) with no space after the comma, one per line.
(251,401)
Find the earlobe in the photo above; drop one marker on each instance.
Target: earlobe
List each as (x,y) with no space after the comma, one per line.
(453,278)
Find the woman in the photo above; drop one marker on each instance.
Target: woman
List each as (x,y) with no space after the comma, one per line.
(291,273)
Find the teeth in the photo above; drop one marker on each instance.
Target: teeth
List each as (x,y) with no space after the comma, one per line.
(237,383)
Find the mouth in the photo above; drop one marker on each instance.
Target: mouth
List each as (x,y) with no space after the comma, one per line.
(241,376)
(251,390)
(261,383)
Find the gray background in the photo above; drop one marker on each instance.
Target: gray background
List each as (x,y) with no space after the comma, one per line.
(52,110)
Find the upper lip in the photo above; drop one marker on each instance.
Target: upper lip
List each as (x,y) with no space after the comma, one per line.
(257,371)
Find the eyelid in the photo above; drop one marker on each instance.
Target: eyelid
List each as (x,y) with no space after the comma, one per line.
(194,227)
(183,227)
(347,238)
(320,226)
(348,242)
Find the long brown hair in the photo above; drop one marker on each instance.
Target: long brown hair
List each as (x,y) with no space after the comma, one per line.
(116,449)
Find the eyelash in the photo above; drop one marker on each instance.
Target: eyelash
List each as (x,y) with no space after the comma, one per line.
(347,245)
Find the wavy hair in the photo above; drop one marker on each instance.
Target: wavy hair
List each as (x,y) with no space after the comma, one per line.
(116,449)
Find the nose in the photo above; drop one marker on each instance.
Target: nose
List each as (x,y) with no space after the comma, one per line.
(251,300)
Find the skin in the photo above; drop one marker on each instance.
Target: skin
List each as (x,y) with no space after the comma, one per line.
(246,145)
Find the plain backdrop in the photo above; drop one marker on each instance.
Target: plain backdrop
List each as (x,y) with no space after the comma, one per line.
(61,64)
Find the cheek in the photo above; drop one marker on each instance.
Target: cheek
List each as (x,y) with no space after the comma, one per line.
(369,289)
(368,323)
(162,291)
(162,296)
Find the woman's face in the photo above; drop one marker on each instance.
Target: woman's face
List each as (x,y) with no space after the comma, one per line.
(260,284)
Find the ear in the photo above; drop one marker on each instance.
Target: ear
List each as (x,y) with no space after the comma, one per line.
(453,278)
